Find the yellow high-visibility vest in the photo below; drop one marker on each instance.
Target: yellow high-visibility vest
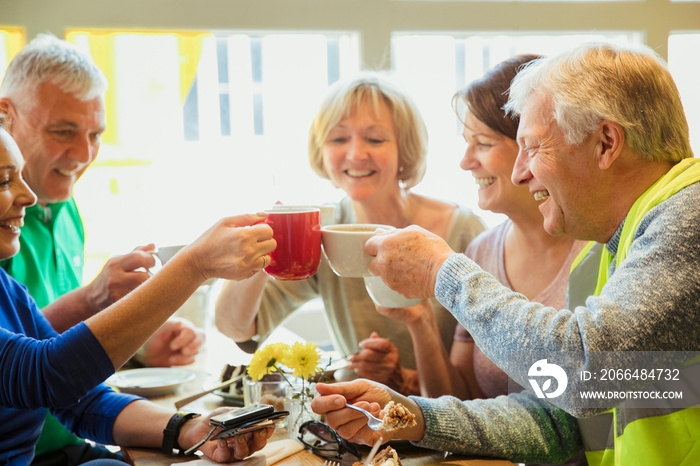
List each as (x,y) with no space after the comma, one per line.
(636,436)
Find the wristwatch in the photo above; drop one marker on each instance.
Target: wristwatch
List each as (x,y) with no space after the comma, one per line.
(172,430)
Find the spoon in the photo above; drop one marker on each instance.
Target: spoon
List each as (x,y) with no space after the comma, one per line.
(372,422)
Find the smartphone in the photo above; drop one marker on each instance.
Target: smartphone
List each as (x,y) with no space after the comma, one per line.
(252,425)
(241,416)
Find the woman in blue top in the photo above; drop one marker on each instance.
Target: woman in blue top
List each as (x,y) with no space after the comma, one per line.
(41,369)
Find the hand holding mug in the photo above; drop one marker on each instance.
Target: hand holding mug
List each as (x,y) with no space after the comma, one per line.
(408,260)
(344,246)
(234,248)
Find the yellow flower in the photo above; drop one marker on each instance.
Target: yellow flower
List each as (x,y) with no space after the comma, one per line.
(265,360)
(303,358)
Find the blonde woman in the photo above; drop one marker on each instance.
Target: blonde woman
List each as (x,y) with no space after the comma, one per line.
(369,140)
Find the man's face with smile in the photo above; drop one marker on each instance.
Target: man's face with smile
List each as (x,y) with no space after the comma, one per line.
(59,138)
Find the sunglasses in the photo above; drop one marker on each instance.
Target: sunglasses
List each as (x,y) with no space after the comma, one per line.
(324,441)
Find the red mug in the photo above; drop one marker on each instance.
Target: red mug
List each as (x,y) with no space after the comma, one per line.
(298,235)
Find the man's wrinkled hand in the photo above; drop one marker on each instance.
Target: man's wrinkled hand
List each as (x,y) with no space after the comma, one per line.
(408,260)
(350,424)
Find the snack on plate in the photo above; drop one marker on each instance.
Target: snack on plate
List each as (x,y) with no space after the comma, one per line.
(227,373)
(397,416)
(386,457)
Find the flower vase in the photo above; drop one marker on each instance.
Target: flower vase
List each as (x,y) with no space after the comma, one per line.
(298,403)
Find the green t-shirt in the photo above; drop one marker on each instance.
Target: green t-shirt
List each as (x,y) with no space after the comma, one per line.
(50,264)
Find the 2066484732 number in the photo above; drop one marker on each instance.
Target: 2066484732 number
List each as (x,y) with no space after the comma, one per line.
(639,374)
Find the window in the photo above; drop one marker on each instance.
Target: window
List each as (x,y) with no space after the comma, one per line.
(685,68)
(215,123)
(210,125)
(12,40)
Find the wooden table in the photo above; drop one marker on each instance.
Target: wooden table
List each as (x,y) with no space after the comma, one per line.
(409,457)
(218,351)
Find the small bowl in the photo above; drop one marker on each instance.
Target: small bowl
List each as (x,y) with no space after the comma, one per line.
(384,296)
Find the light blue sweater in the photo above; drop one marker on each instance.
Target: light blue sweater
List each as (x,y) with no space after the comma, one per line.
(650,303)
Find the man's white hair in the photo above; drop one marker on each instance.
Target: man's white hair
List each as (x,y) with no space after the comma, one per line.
(49,59)
(629,85)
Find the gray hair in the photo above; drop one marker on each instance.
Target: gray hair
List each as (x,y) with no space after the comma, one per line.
(629,85)
(49,59)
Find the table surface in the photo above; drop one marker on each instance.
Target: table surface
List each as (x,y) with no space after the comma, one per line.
(218,351)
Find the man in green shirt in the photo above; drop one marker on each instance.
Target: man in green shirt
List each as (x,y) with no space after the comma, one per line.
(53,97)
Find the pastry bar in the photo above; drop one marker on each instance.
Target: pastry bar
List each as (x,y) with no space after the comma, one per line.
(397,416)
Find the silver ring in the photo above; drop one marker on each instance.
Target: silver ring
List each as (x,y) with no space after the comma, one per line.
(264,258)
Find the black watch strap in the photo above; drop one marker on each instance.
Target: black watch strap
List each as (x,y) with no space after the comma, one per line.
(172,430)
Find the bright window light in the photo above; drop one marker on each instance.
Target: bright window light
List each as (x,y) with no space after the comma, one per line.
(202,126)
(12,39)
(685,68)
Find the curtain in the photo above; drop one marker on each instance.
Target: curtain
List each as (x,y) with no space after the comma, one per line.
(101,45)
(12,39)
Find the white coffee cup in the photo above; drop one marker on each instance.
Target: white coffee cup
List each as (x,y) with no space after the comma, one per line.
(165,253)
(344,247)
(384,296)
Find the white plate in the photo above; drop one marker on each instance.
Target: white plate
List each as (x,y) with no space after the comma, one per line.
(150,381)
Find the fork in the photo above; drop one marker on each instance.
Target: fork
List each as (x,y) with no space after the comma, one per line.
(330,463)
(372,422)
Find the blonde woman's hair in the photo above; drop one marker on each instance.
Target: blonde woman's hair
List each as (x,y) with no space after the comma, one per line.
(629,85)
(345,97)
